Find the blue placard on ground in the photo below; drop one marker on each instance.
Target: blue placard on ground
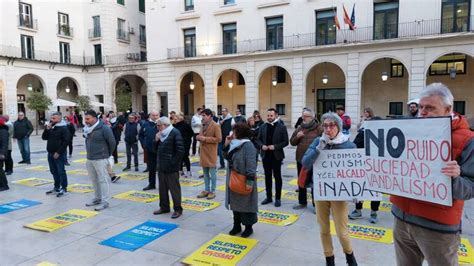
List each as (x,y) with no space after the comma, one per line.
(17,205)
(139,235)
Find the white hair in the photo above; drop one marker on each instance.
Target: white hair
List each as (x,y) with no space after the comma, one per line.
(164,121)
(438,89)
(309,111)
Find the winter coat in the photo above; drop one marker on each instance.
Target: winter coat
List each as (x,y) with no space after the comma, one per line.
(310,133)
(22,128)
(170,152)
(208,150)
(280,140)
(100,143)
(147,136)
(57,137)
(3,140)
(187,134)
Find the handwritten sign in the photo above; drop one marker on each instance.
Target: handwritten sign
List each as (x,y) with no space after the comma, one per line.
(340,175)
(405,157)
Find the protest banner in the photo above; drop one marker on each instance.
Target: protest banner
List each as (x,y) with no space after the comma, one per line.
(276,218)
(138,196)
(80,188)
(221,250)
(222,188)
(365,232)
(186,182)
(33,182)
(38,168)
(385,206)
(17,205)
(404,157)
(340,175)
(198,205)
(465,252)
(139,235)
(61,220)
(134,176)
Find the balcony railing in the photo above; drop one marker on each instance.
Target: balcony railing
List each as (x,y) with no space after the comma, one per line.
(123,35)
(95,33)
(27,22)
(408,30)
(65,30)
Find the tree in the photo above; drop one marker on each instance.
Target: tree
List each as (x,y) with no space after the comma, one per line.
(38,102)
(123,98)
(83,103)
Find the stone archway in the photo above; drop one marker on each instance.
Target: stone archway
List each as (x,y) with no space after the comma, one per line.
(191,88)
(274,91)
(231,91)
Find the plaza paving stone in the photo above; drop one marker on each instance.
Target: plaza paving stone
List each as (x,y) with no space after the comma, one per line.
(78,244)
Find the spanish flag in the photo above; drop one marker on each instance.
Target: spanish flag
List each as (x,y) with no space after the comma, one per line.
(336,21)
(347,19)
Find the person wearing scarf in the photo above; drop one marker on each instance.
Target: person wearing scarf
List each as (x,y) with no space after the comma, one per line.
(332,138)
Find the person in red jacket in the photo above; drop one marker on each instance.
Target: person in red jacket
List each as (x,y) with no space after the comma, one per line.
(430,231)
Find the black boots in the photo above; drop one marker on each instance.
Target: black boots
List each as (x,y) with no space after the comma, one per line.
(351,260)
(330,261)
(247,232)
(237,228)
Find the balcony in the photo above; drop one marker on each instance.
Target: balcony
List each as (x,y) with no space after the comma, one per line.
(95,33)
(123,36)
(402,31)
(64,30)
(27,23)
(44,56)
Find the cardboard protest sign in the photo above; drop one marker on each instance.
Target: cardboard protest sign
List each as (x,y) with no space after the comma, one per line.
(138,196)
(465,252)
(340,175)
(139,235)
(17,205)
(61,220)
(365,232)
(33,182)
(276,218)
(405,157)
(198,205)
(221,250)
(80,188)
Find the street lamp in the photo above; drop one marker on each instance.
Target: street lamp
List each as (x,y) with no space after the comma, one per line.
(274,82)
(230,84)
(68,90)
(325,79)
(191,85)
(29,87)
(384,76)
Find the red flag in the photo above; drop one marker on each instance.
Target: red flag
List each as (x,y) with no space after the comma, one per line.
(336,21)
(347,19)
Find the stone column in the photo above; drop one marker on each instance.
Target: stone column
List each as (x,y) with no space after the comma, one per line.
(297,90)
(251,89)
(417,77)
(353,88)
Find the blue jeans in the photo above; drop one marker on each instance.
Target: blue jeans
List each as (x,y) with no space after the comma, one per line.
(221,155)
(24,146)
(56,167)
(209,179)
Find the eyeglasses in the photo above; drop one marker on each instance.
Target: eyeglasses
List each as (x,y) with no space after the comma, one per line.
(330,126)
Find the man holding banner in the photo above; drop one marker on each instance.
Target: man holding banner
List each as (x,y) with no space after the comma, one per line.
(428,196)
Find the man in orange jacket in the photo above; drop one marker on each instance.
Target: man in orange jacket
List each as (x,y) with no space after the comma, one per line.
(425,230)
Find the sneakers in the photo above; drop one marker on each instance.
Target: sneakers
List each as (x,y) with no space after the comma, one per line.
(373,217)
(203,194)
(104,206)
(61,192)
(115,178)
(356,214)
(94,202)
(211,195)
(52,191)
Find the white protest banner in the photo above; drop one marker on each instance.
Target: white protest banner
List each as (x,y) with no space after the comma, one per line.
(340,175)
(405,157)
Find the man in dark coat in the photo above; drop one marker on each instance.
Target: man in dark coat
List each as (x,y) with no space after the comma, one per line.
(3,153)
(58,138)
(147,137)
(272,138)
(170,151)
(22,129)
(187,134)
(131,129)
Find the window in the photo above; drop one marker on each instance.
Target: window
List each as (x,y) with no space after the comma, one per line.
(121,2)
(142,56)
(122,33)
(64,53)
(325,27)
(96,27)
(460,107)
(98,54)
(27,47)
(190,42)
(396,69)
(229,2)
(274,33)
(188,5)
(141,6)
(241,107)
(385,20)
(328,99)
(455,15)
(395,108)
(281,75)
(447,63)
(63,24)
(229,34)
(142,34)
(241,80)
(26,15)
(280,109)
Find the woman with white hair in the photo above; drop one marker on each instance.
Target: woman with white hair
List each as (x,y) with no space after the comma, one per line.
(332,138)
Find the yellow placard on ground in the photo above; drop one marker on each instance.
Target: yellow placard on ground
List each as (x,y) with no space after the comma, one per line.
(465,252)
(121,155)
(384,206)
(291,166)
(83,160)
(221,250)
(82,172)
(83,153)
(370,233)
(293,182)
(198,205)
(194,159)
(45,263)
(80,188)
(33,182)
(221,172)
(222,188)
(200,172)
(292,195)
(186,182)
(61,220)
(138,196)
(38,168)
(134,176)
(276,218)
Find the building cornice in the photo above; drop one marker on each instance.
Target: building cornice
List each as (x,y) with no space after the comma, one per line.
(228,11)
(273,4)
